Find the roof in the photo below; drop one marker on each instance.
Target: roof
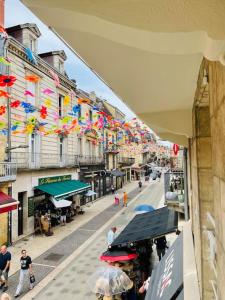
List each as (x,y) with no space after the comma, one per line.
(32,26)
(61,53)
(64,188)
(148,226)
(172,262)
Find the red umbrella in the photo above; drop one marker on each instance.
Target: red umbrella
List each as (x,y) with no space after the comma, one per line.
(117,255)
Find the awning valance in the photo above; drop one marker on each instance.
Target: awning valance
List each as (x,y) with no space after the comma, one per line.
(7,203)
(167,279)
(64,188)
(117,173)
(148,226)
(61,203)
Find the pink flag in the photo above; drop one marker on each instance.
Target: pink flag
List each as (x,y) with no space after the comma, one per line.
(48,91)
(55,77)
(28,93)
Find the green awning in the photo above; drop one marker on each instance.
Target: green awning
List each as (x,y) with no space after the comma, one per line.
(64,188)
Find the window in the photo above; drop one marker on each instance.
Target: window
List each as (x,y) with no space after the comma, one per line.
(32,44)
(60,66)
(32,147)
(31,87)
(61,149)
(79,146)
(60,105)
(90,116)
(106,140)
(79,112)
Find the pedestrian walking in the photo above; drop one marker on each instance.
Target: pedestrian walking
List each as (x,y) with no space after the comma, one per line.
(5,259)
(116,199)
(63,217)
(159,175)
(140,185)
(111,235)
(124,199)
(25,272)
(161,245)
(112,189)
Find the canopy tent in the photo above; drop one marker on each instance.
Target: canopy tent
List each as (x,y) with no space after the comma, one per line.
(167,279)
(64,188)
(7,203)
(61,203)
(147,226)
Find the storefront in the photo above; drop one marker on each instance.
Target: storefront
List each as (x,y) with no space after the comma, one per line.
(53,195)
(7,204)
(117,178)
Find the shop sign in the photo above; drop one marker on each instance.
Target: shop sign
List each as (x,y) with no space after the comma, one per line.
(47,180)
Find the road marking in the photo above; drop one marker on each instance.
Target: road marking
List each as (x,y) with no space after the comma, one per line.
(36,264)
(92,230)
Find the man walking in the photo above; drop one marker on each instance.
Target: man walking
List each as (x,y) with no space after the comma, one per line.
(5,259)
(140,185)
(161,245)
(124,199)
(111,235)
(25,272)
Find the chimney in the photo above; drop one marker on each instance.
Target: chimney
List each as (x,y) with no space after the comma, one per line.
(2,13)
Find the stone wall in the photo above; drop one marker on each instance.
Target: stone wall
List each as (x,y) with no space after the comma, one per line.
(207,172)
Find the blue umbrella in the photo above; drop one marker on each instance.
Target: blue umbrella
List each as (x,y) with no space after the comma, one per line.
(143,208)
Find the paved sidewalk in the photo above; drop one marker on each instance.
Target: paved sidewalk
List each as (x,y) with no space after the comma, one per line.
(38,244)
(71,281)
(66,239)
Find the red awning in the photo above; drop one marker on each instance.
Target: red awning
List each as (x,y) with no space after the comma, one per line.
(7,203)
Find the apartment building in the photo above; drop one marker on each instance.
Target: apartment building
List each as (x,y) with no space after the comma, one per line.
(40,158)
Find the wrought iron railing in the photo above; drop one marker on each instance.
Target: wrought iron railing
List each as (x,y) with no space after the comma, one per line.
(28,160)
(90,160)
(126,161)
(7,171)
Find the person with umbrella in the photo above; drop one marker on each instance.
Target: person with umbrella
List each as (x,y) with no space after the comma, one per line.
(161,245)
(110,283)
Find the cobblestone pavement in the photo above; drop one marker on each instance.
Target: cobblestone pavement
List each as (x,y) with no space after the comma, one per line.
(71,283)
(50,259)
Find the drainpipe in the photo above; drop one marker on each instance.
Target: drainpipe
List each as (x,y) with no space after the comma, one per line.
(2,13)
(186,212)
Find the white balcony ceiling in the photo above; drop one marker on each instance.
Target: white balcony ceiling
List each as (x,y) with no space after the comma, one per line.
(148,51)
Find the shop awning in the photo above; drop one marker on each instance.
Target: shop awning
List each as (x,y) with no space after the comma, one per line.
(148,226)
(7,203)
(167,279)
(117,173)
(64,188)
(61,203)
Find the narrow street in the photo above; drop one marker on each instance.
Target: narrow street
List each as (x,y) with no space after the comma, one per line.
(71,282)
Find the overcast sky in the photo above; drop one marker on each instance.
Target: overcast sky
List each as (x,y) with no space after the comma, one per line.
(17,13)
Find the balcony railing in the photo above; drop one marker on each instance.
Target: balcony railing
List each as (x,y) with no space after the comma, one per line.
(128,161)
(90,160)
(111,149)
(7,171)
(28,160)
